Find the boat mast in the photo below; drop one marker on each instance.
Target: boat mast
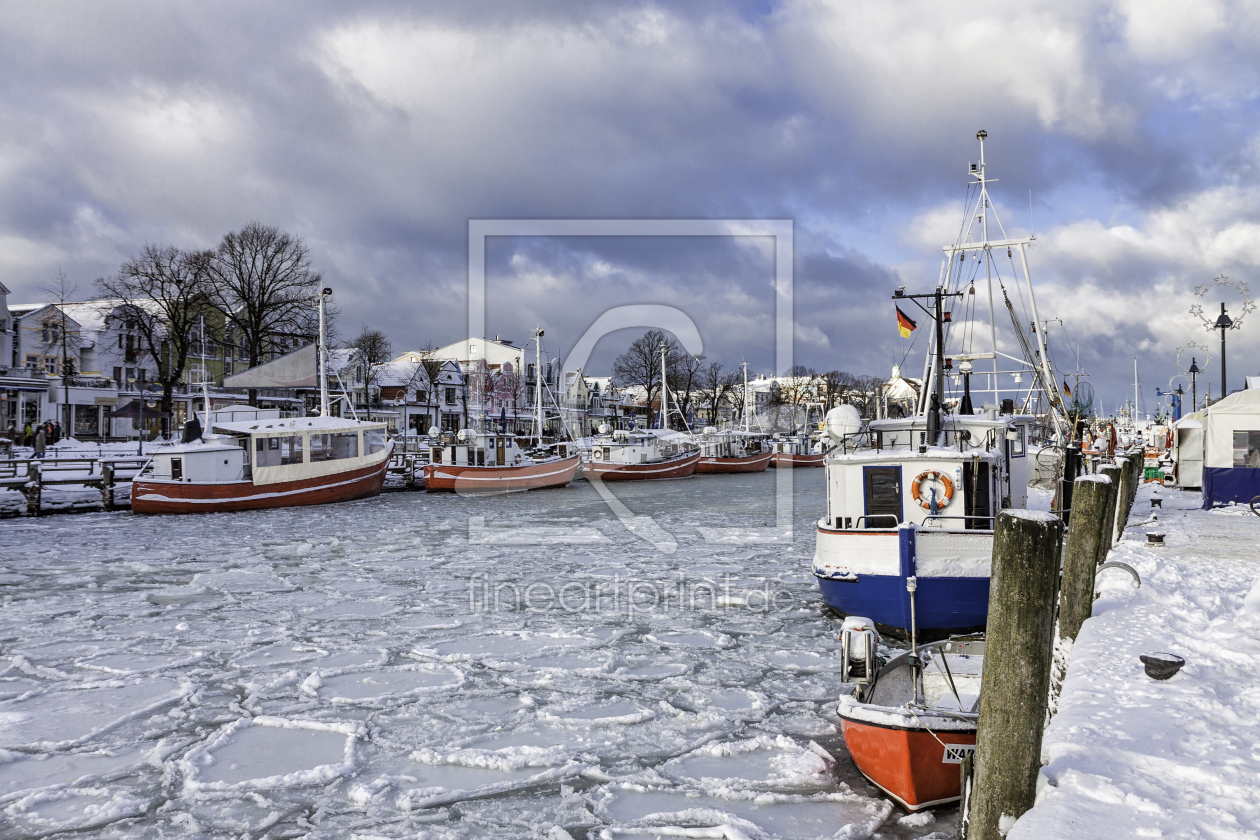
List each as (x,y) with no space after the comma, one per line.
(988,262)
(323,358)
(1135,393)
(537,333)
(205,388)
(664,391)
(744,366)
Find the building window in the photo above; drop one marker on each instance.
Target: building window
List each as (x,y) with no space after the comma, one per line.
(50,365)
(421,396)
(118,375)
(32,361)
(450,396)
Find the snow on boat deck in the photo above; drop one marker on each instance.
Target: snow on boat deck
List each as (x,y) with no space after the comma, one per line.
(1128,756)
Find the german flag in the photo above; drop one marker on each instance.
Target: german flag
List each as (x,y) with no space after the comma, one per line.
(904,324)
(1067,392)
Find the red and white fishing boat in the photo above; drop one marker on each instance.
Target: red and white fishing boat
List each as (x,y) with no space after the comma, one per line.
(731,452)
(485,462)
(251,458)
(265,463)
(909,723)
(796,451)
(641,454)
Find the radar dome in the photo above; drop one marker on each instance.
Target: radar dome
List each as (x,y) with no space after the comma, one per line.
(841,421)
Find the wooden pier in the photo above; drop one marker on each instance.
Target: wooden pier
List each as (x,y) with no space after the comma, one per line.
(30,477)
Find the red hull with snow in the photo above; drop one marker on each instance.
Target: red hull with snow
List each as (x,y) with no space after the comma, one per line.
(463,479)
(907,764)
(679,467)
(149,496)
(744,464)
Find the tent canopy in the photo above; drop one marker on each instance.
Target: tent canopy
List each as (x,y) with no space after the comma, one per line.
(294,370)
(1239,412)
(131,411)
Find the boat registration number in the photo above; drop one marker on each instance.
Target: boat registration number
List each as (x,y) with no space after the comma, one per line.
(955,753)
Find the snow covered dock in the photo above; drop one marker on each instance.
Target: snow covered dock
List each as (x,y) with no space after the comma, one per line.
(1129,756)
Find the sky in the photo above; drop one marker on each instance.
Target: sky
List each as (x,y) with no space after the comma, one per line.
(1123,136)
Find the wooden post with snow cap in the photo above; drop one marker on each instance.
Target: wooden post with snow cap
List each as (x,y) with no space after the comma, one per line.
(1112,472)
(1091,497)
(1127,477)
(1017,658)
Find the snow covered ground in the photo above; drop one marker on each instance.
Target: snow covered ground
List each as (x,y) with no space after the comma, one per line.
(1128,756)
(410,666)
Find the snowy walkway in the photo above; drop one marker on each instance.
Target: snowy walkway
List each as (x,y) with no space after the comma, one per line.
(1132,757)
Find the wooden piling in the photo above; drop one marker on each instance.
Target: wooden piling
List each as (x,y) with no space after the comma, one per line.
(107,485)
(1112,472)
(34,488)
(1127,477)
(1091,497)
(1016,670)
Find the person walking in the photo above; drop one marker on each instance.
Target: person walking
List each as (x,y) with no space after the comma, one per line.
(39,443)
(56,432)
(28,435)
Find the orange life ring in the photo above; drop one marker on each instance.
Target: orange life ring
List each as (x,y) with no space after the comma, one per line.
(932,475)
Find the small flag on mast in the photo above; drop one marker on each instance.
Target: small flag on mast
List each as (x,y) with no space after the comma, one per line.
(904,324)
(1066,390)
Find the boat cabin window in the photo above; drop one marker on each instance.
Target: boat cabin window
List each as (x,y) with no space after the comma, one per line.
(373,441)
(321,447)
(882,491)
(290,449)
(177,468)
(1018,444)
(345,445)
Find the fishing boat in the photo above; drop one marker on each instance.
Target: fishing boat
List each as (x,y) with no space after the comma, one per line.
(909,723)
(731,452)
(643,454)
(640,454)
(798,450)
(477,461)
(248,459)
(907,532)
(486,462)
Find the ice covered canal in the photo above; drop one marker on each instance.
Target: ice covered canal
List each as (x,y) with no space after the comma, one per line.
(431,666)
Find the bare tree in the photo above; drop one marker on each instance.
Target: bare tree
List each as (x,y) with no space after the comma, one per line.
(683,372)
(717,386)
(264,285)
(641,363)
(866,390)
(836,386)
(372,349)
(797,389)
(163,294)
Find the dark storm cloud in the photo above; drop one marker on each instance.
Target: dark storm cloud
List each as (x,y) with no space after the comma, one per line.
(376,131)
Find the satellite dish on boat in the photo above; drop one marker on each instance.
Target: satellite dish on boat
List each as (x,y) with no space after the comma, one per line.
(603,428)
(841,421)
(434,431)
(463,435)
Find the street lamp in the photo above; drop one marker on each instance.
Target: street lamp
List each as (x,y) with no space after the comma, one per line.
(140,428)
(1194,376)
(1180,393)
(1223,323)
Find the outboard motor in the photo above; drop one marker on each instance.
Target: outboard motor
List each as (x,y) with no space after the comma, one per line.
(858,643)
(192,430)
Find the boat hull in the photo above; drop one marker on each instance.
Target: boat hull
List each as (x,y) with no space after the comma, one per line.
(149,496)
(745,464)
(787,460)
(864,573)
(908,763)
(680,467)
(462,479)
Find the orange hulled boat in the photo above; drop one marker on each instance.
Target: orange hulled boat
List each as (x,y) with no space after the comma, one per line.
(909,723)
(640,455)
(731,452)
(485,462)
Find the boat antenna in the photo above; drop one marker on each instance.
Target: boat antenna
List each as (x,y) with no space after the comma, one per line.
(323,356)
(664,390)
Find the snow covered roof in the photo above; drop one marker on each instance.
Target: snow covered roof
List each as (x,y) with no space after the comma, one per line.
(297,424)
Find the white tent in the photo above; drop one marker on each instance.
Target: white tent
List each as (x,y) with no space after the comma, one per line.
(1187,450)
(1231,449)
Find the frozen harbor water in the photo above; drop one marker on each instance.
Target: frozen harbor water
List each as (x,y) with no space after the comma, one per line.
(415,666)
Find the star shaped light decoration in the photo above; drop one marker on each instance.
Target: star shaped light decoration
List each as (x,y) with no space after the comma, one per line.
(1241,286)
